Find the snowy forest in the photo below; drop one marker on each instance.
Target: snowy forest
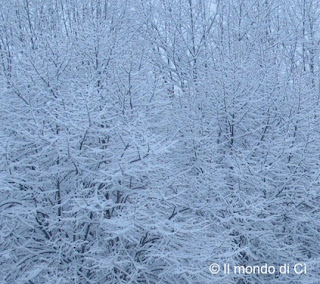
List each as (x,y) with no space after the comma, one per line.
(143,140)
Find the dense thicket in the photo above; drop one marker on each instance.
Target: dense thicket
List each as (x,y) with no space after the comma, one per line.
(141,141)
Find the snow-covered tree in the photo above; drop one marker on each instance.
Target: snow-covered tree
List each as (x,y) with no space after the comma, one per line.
(141,141)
